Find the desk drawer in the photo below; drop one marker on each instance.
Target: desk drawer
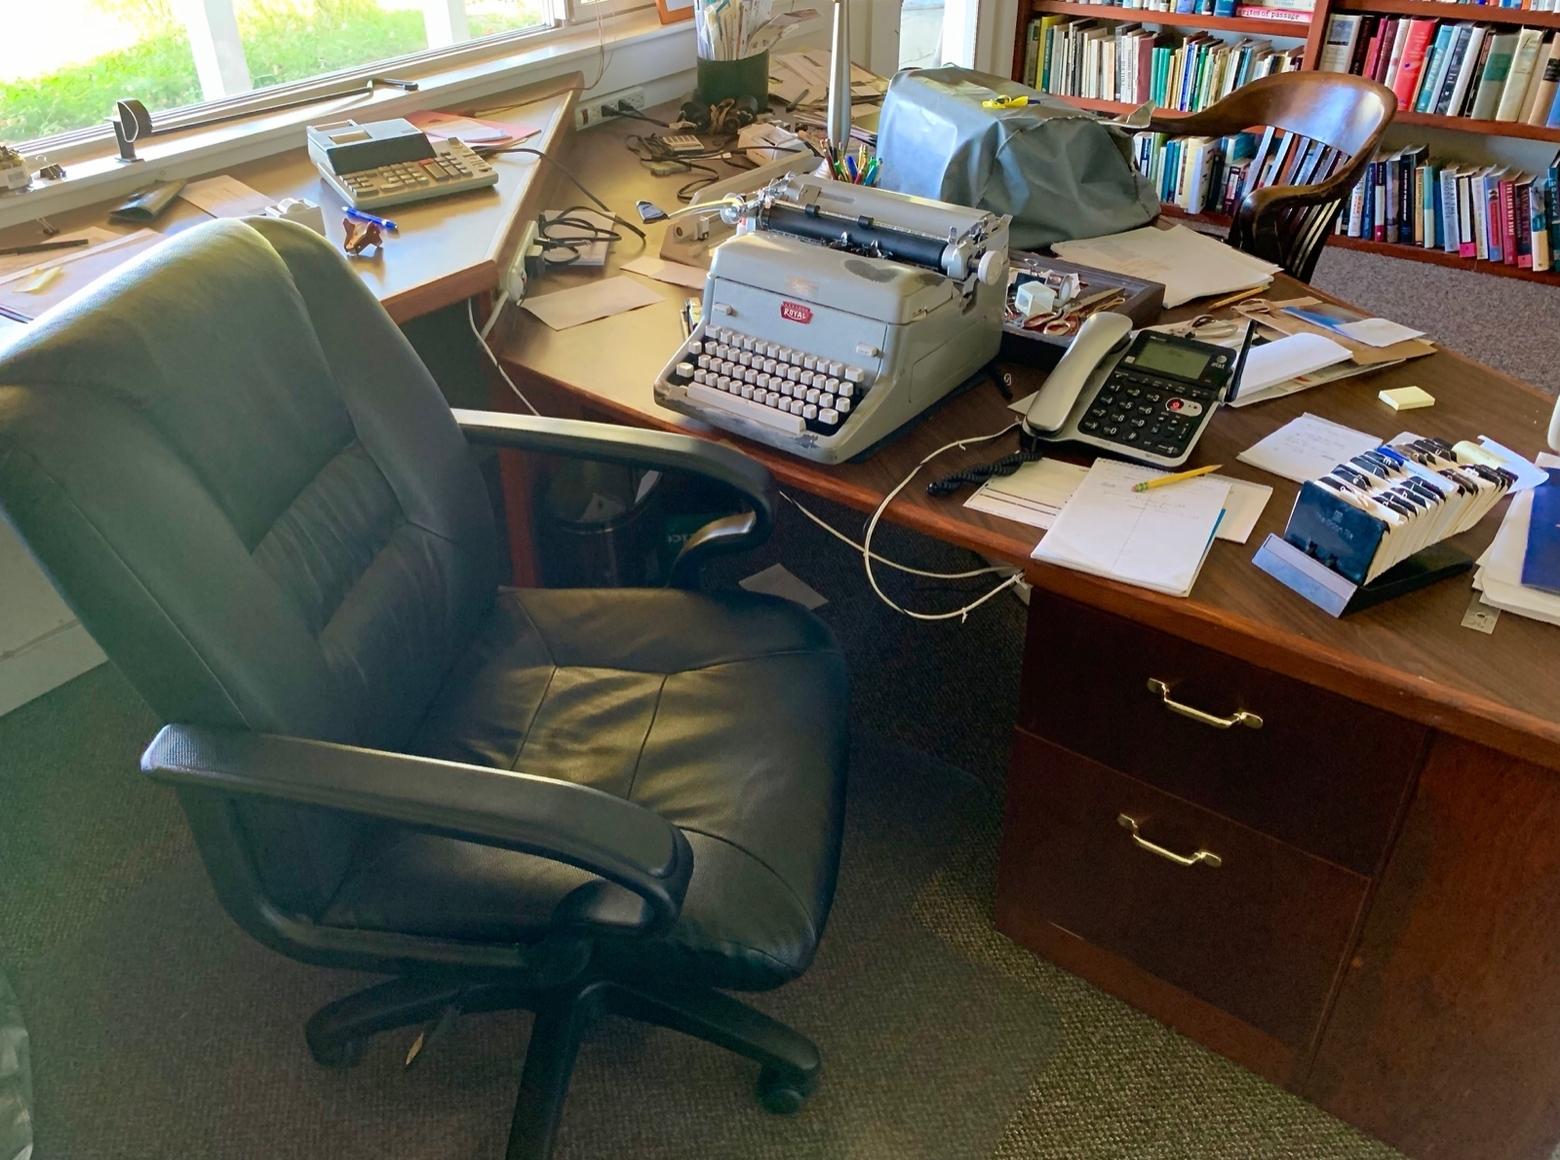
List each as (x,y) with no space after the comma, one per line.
(1261,936)
(1322,772)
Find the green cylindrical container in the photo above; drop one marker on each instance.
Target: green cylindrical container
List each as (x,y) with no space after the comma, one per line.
(719,80)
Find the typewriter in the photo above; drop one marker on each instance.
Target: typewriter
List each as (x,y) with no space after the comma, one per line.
(837,314)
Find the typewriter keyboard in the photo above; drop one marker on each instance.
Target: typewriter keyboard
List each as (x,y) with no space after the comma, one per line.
(768,383)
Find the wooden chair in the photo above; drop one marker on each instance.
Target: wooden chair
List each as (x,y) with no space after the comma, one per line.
(1320,130)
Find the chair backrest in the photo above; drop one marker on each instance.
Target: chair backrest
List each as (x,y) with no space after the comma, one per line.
(1318,132)
(235,469)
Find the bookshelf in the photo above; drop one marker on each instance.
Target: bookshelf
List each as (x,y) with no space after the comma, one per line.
(1313,32)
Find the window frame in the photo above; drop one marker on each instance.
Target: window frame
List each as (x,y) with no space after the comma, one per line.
(564,16)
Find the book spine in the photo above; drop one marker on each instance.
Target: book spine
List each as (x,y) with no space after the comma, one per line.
(1522,213)
(1552,212)
(1467,234)
(1538,225)
(1448,215)
(1378,216)
(1508,223)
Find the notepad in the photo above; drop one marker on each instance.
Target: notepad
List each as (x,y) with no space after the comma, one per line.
(1155,539)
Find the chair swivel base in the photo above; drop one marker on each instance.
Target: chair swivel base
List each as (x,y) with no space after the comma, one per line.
(789,1062)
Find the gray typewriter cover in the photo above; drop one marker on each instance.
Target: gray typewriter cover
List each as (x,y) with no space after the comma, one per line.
(1059,172)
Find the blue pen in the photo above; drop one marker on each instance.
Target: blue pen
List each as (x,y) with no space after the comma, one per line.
(850,166)
(362,216)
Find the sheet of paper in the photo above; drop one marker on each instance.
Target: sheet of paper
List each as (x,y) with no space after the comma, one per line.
(15,263)
(472,130)
(1189,264)
(1032,495)
(778,580)
(1307,447)
(223,196)
(578,228)
(1157,539)
(649,266)
(580,304)
(1284,358)
(1529,475)
(1378,331)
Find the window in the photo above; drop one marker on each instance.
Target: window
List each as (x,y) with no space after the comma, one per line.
(63,64)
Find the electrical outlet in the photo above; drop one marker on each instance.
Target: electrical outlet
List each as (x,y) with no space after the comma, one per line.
(516,280)
(593,112)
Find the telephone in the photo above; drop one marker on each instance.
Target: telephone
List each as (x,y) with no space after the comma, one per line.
(1146,398)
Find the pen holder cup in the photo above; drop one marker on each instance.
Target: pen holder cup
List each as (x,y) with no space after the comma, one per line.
(720,80)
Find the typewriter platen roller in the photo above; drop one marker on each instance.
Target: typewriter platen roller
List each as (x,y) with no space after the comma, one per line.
(837,314)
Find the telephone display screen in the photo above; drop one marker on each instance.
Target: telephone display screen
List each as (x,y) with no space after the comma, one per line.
(1168,358)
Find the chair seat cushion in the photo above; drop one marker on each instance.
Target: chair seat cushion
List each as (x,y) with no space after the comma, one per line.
(725,714)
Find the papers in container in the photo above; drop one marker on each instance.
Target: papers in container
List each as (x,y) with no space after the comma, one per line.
(1307,447)
(1189,264)
(1037,492)
(1155,539)
(1272,364)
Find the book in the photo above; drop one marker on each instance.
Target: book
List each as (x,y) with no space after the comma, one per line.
(1448,209)
(1466,69)
(1552,209)
(1395,55)
(1434,73)
(1415,49)
(1456,50)
(1524,59)
(1343,32)
(1522,221)
(1546,84)
(1467,231)
(1541,560)
(1505,191)
(1496,67)
(1553,120)
(1538,224)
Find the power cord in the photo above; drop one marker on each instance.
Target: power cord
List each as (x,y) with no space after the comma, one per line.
(481,336)
(578,184)
(868,556)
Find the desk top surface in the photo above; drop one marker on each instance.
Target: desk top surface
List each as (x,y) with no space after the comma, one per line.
(1411,655)
(447,249)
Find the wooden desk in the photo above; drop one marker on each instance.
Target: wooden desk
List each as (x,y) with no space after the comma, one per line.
(447,249)
(1379,937)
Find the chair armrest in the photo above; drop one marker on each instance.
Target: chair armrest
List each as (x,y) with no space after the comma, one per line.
(640,447)
(1258,201)
(624,843)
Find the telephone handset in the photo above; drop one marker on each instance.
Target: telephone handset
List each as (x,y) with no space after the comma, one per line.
(1147,398)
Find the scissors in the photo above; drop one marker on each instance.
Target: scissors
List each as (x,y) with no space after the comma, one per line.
(1068,320)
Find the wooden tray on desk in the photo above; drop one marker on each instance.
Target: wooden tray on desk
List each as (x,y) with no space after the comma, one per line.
(1145,303)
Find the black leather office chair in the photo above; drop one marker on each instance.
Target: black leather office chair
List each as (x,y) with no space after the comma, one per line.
(241,477)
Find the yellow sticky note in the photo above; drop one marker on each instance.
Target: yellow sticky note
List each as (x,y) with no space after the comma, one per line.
(39,280)
(1407,398)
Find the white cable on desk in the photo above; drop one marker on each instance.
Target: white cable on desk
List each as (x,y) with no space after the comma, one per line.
(868,555)
(481,337)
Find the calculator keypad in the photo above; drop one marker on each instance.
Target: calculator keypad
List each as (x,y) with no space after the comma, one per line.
(1146,413)
(452,169)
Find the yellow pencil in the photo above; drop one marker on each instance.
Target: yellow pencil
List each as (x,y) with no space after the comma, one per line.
(1175,477)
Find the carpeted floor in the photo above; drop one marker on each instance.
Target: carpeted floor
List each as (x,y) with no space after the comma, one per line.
(159,1030)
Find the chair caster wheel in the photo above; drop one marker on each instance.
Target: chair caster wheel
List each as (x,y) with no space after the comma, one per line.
(344,1053)
(783,1094)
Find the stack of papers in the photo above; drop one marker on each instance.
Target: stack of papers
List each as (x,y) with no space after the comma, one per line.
(1499,575)
(1189,264)
(1036,493)
(1155,539)
(1308,448)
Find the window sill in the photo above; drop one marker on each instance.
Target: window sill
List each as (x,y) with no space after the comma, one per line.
(95,174)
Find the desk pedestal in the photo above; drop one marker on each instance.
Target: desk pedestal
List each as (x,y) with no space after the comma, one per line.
(1356,906)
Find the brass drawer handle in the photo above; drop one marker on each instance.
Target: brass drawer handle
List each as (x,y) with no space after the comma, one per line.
(1206,857)
(1240,717)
